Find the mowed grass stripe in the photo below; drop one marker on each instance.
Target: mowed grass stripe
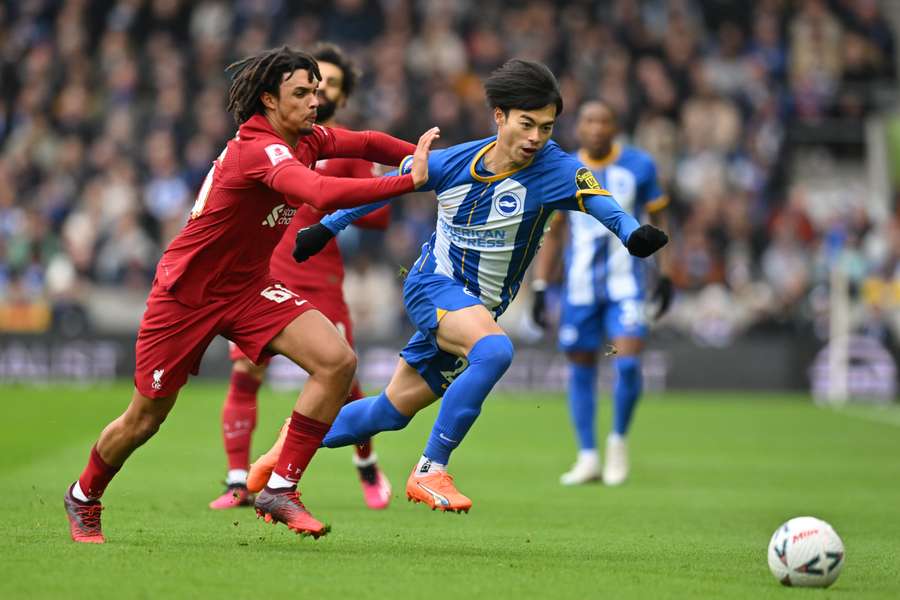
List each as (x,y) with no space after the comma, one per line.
(713,476)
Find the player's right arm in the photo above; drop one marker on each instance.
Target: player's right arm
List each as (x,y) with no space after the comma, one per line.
(302,185)
(545,266)
(310,240)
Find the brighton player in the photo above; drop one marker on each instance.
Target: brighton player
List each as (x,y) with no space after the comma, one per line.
(320,281)
(603,293)
(494,198)
(213,279)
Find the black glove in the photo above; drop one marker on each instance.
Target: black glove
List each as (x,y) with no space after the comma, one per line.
(539,304)
(645,240)
(310,241)
(663,295)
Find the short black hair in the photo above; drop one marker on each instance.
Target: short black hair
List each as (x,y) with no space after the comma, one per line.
(264,72)
(600,101)
(523,84)
(330,53)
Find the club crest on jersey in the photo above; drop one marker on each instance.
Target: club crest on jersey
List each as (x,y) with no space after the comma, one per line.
(277,153)
(157,378)
(585,180)
(508,204)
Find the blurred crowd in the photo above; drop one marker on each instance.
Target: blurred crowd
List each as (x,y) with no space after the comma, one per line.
(112,112)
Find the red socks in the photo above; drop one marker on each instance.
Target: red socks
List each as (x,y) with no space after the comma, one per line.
(96,475)
(304,437)
(239,419)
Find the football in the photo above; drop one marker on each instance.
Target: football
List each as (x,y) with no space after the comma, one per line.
(806,552)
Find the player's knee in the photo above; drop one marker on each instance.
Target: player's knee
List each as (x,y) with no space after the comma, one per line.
(343,366)
(496,350)
(244,365)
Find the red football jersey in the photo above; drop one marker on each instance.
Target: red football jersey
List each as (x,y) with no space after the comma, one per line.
(325,270)
(250,195)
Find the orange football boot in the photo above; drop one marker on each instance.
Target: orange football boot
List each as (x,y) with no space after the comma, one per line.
(261,470)
(437,491)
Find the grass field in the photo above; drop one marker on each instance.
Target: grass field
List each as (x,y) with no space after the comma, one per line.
(713,476)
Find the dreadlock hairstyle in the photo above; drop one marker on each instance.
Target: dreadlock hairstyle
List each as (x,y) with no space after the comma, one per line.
(523,84)
(264,72)
(329,53)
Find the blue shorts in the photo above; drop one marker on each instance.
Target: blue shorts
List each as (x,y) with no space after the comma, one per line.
(428,297)
(587,326)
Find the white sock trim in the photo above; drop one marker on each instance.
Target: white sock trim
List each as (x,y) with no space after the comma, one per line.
(588,454)
(432,467)
(236,476)
(365,462)
(277,482)
(78,494)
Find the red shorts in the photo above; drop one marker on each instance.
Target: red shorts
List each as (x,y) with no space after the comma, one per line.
(330,304)
(173,337)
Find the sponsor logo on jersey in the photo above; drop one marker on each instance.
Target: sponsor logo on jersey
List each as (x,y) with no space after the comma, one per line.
(280,215)
(278,153)
(507,204)
(476,239)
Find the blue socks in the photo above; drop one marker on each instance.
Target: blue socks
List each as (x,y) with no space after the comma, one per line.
(488,361)
(361,419)
(626,392)
(583,403)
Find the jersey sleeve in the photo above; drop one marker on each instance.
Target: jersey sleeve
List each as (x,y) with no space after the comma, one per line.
(651,194)
(370,145)
(263,159)
(572,186)
(341,219)
(436,166)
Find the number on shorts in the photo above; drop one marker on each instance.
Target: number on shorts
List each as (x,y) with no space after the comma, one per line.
(278,293)
(631,313)
(449,376)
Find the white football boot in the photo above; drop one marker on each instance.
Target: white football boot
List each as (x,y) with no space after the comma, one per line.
(585,469)
(615,469)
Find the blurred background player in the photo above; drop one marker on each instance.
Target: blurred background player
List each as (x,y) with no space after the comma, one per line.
(494,197)
(603,292)
(214,280)
(320,281)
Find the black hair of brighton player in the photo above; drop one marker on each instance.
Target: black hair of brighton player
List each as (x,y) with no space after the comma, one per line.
(523,84)
(264,72)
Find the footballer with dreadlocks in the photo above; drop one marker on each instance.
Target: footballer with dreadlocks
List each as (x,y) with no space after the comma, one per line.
(319,280)
(213,279)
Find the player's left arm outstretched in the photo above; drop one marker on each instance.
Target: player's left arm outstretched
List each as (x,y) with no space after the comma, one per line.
(579,190)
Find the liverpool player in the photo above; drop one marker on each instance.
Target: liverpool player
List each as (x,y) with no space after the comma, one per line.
(320,281)
(213,279)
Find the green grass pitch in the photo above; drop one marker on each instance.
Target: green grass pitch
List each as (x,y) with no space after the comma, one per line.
(713,476)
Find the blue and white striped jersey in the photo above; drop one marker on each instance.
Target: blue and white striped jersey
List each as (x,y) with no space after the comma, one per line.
(599,268)
(489,226)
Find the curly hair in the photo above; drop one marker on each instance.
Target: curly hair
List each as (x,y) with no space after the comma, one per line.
(264,72)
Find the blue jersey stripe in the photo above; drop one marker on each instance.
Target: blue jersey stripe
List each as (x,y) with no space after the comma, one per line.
(527,244)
